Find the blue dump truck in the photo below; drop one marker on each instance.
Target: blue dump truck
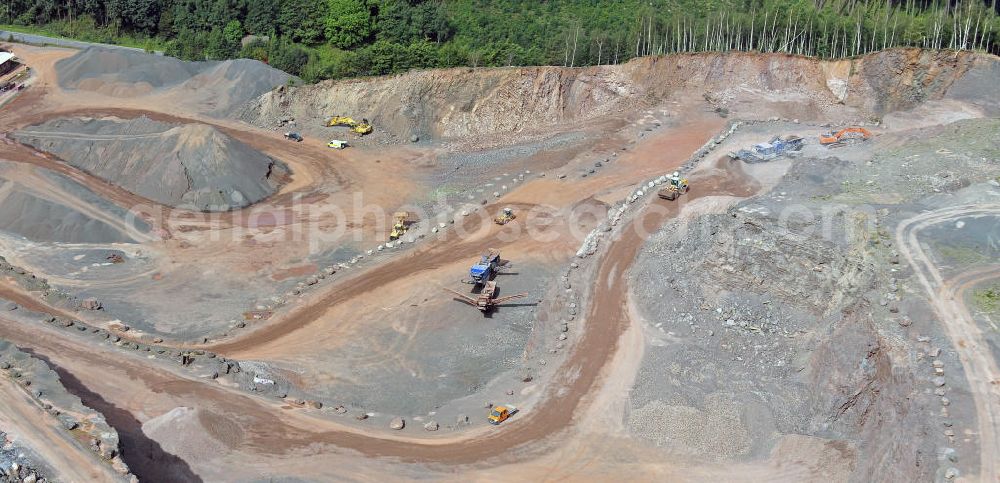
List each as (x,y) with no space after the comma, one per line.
(486,268)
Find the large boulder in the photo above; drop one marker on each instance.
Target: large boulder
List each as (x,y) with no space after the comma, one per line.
(397,423)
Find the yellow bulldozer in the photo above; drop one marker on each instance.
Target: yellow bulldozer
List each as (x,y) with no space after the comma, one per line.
(505,216)
(676,186)
(400,219)
(359,128)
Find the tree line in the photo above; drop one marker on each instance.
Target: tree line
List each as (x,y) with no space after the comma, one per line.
(326,39)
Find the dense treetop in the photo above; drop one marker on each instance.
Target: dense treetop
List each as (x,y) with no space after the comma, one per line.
(319,39)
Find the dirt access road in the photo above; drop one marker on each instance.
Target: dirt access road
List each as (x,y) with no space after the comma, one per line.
(146,386)
(966,337)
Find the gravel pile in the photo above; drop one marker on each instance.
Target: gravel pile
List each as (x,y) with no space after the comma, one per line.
(121,67)
(191,165)
(979,87)
(216,87)
(182,432)
(41,220)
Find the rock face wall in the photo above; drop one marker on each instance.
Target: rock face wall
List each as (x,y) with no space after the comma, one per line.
(191,164)
(44,386)
(979,86)
(454,103)
(903,78)
(449,103)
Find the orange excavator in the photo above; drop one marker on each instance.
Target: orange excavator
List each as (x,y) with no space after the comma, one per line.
(844,136)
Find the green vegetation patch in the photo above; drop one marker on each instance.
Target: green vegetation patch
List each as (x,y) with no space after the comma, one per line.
(86,30)
(318,39)
(960,254)
(987,299)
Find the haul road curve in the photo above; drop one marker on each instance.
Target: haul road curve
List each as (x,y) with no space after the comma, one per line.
(606,320)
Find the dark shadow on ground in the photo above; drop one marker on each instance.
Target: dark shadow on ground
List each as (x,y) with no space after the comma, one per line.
(145,457)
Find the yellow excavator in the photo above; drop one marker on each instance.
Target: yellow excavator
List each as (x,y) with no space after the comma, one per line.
(359,128)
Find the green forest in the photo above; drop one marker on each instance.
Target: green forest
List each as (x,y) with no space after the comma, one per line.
(328,39)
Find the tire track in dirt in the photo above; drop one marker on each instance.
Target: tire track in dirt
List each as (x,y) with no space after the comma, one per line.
(966,338)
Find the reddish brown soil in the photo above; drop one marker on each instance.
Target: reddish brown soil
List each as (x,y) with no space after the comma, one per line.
(9,291)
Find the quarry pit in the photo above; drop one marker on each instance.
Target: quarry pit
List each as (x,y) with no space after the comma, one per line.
(230,303)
